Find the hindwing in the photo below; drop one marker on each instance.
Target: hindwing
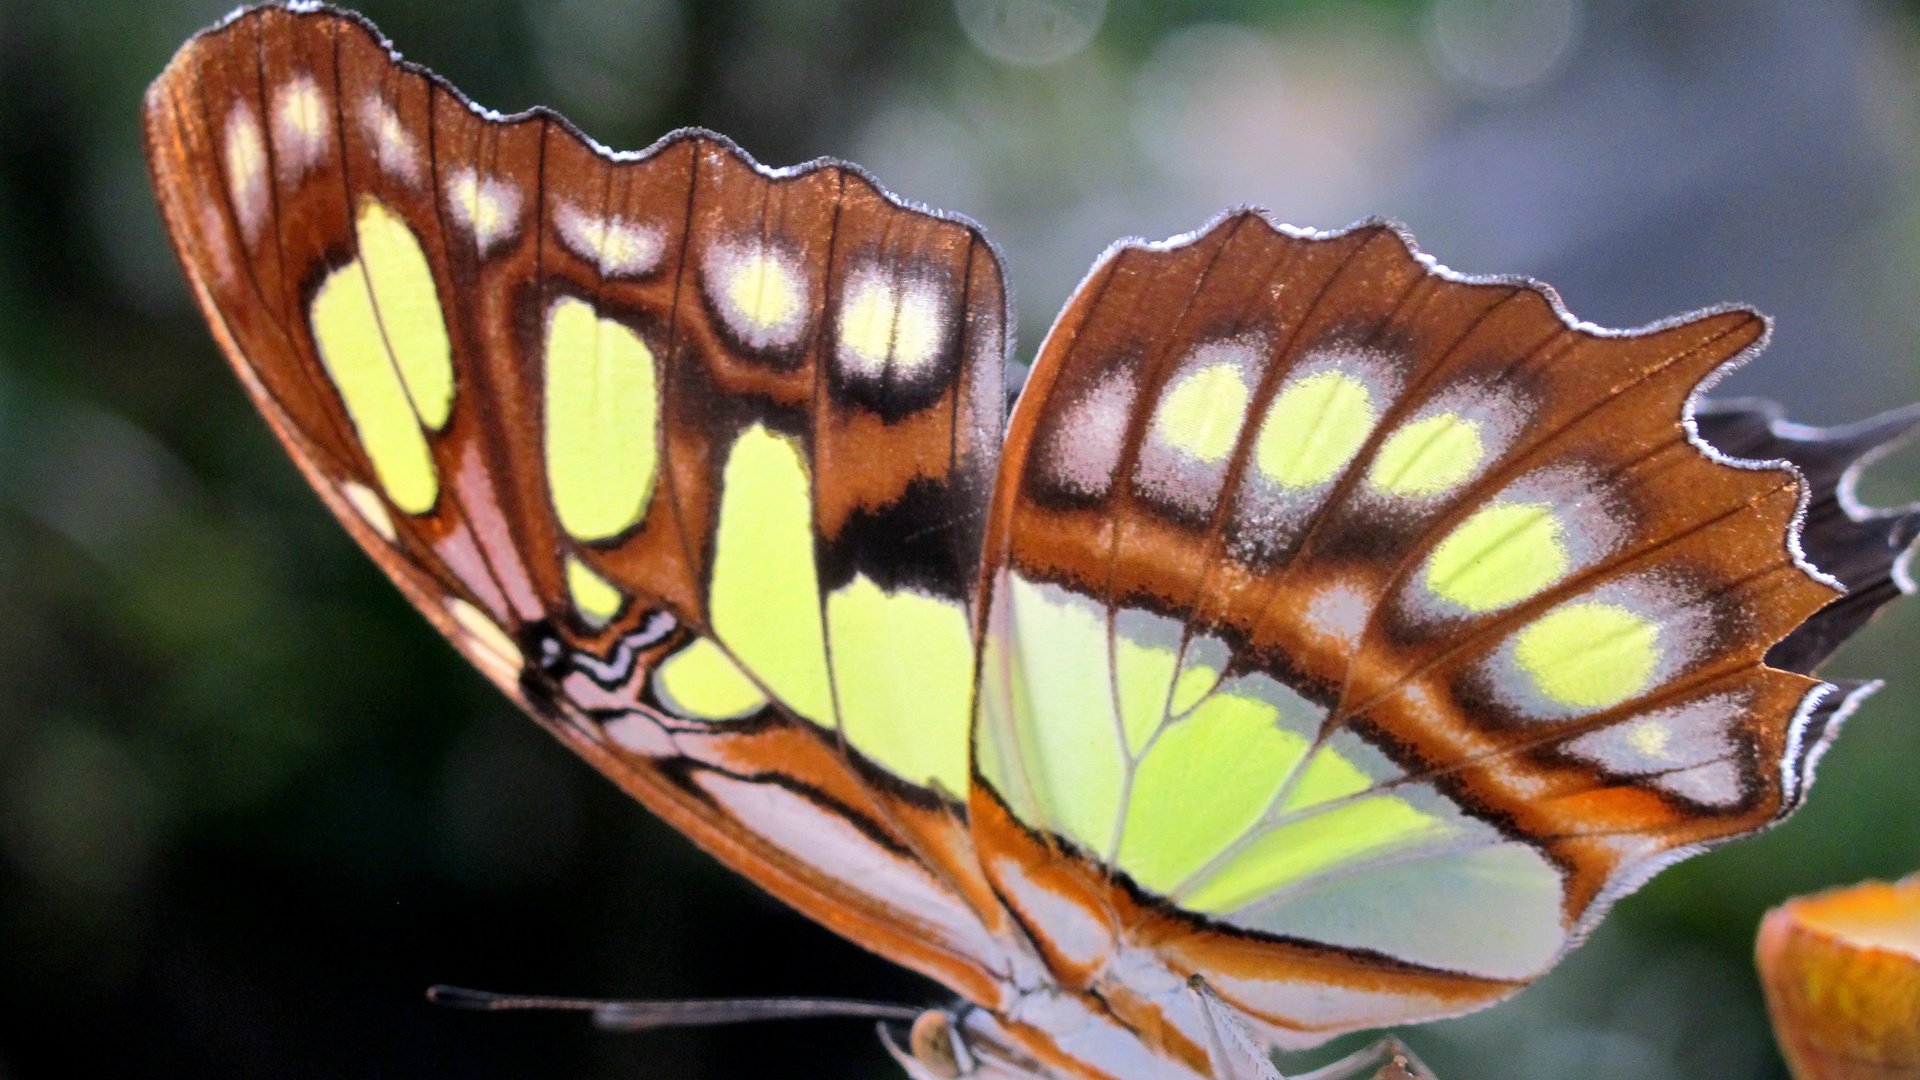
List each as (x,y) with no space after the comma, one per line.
(1361,631)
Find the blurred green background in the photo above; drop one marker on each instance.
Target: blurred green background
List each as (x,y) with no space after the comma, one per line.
(250,805)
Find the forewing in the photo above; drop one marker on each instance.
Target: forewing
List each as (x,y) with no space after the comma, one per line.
(1361,631)
(671,446)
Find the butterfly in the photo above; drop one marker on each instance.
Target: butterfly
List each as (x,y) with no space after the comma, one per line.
(1322,641)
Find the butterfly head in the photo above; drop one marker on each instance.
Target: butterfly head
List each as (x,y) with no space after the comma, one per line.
(959,1042)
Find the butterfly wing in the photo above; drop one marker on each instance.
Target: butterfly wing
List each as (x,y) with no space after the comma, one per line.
(1358,632)
(671,446)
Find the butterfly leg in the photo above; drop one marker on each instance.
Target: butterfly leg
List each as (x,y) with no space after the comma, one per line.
(1388,1059)
(1231,1050)
(1236,1056)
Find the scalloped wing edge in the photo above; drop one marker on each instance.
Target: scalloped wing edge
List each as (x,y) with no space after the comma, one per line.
(1867,550)
(600,149)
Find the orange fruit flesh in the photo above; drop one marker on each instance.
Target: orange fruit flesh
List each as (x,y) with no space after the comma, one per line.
(1841,971)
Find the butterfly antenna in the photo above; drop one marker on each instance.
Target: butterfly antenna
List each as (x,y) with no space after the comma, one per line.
(641,1015)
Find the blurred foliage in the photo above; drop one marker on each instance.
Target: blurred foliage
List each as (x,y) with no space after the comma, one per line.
(250,805)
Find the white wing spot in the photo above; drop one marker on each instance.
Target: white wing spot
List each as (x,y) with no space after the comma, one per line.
(393,147)
(489,208)
(1083,447)
(300,126)
(1339,612)
(758,291)
(492,648)
(619,247)
(371,509)
(247,168)
(887,324)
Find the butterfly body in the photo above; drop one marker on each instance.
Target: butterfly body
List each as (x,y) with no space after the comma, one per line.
(1312,603)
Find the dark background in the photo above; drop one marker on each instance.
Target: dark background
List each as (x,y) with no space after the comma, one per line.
(250,805)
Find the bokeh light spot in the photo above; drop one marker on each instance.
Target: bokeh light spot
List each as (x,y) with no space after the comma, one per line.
(1031,32)
(1499,45)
